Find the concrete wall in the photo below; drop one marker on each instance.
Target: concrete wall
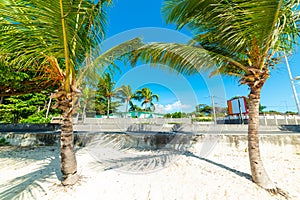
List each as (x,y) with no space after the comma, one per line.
(176,141)
(28,127)
(31,139)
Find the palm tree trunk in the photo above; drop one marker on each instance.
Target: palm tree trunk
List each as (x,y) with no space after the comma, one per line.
(108,102)
(258,172)
(126,109)
(84,111)
(68,163)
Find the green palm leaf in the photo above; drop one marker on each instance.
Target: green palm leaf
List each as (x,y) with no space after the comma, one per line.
(184,58)
(35,28)
(229,36)
(57,35)
(146,96)
(106,60)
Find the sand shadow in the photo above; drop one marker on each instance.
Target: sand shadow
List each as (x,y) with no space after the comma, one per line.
(29,186)
(237,172)
(160,159)
(136,153)
(140,164)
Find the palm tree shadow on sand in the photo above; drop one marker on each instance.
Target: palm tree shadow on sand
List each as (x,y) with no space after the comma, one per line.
(30,185)
(150,163)
(161,159)
(122,153)
(237,172)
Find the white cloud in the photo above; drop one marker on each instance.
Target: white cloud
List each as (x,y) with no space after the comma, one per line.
(159,108)
(169,108)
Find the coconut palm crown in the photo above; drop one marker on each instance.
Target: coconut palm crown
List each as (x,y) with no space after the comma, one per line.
(146,96)
(126,94)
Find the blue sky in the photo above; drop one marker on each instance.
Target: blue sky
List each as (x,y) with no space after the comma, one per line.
(130,18)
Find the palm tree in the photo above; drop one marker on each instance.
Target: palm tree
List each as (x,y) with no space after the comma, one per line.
(126,94)
(146,95)
(88,96)
(58,36)
(107,90)
(134,107)
(237,38)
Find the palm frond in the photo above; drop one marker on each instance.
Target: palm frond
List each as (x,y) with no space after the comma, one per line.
(234,26)
(106,60)
(35,26)
(184,58)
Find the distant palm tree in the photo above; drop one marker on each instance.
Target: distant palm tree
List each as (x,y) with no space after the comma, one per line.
(126,94)
(133,107)
(88,95)
(236,38)
(107,90)
(146,96)
(56,37)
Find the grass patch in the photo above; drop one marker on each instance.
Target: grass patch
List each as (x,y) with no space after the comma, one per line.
(202,119)
(180,123)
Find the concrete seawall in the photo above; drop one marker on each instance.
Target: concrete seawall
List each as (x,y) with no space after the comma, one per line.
(142,135)
(48,134)
(134,125)
(195,128)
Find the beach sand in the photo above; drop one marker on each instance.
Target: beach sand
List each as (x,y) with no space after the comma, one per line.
(222,172)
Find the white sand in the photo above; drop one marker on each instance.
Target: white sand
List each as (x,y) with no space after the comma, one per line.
(32,173)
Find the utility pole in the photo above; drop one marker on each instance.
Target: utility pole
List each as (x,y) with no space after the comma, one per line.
(214,109)
(292,83)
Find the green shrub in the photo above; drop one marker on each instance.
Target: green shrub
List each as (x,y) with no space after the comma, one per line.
(202,119)
(3,142)
(36,118)
(180,123)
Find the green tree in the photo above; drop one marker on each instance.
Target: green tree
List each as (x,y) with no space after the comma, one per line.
(106,90)
(291,113)
(88,99)
(19,108)
(17,80)
(236,38)
(59,36)
(146,96)
(168,115)
(203,108)
(133,107)
(179,115)
(126,94)
(273,112)
(262,108)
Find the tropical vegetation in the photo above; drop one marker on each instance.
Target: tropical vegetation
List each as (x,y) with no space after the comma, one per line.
(126,94)
(106,91)
(244,39)
(50,47)
(27,108)
(58,39)
(133,107)
(176,115)
(3,142)
(146,96)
